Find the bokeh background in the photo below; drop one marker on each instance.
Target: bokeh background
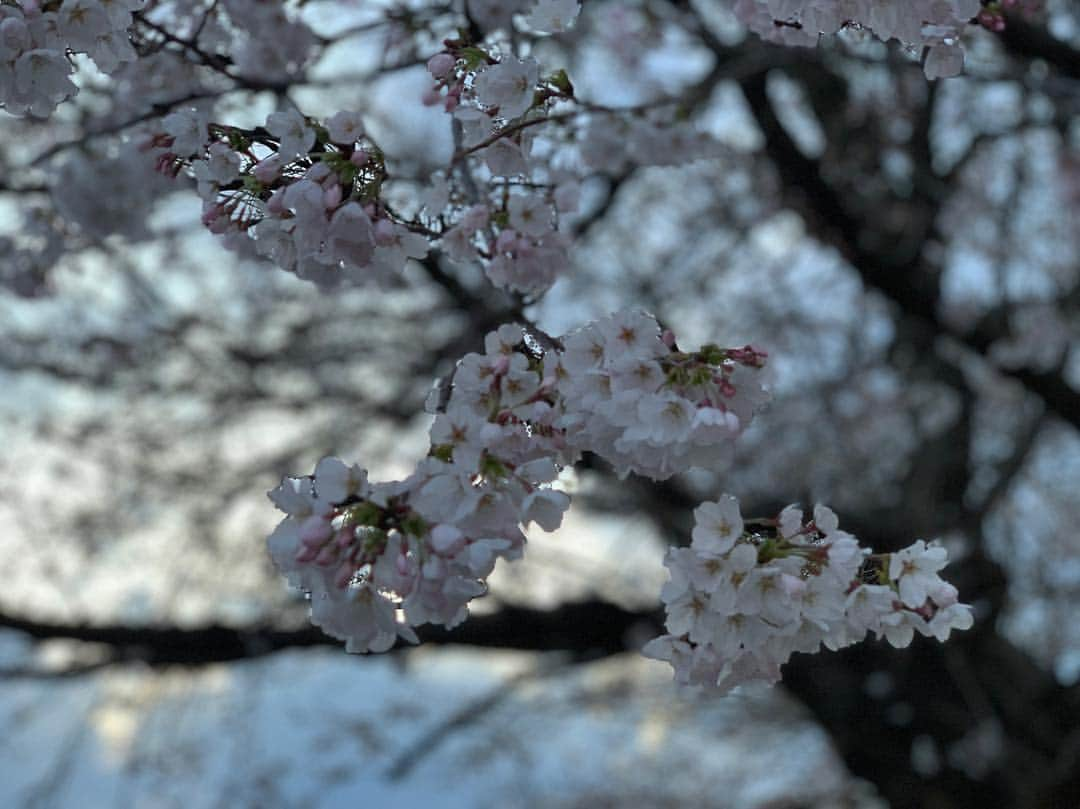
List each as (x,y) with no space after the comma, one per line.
(909,254)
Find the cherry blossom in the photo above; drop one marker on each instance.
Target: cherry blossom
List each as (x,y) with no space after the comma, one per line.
(423,545)
(309,192)
(782,586)
(553,16)
(508,86)
(295,137)
(35,40)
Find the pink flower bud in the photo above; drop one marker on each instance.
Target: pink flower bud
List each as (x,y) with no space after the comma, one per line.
(344,537)
(315,530)
(305,554)
(317,173)
(327,556)
(440,64)
(944,594)
(211,213)
(431,97)
(506,241)
(384,232)
(344,575)
(14,33)
(359,158)
(266,171)
(166,164)
(332,197)
(276,204)
(446,539)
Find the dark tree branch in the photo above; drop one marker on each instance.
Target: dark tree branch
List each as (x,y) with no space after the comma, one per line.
(1029,41)
(585,630)
(908,283)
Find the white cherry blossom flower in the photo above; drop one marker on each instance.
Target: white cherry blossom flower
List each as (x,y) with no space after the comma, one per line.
(545,507)
(943,61)
(916,568)
(717,526)
(295,136)
(508,85)
(189,130)
(529,214)
(553,16)
(345,127)
(41,78)
(336,481)
(955,616)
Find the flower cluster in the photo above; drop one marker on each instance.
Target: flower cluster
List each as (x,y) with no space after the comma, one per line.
(307,193)
(932,24)
(36,37)
(629,395)
(747,594)
(379,559)
(494,102)
(507,217)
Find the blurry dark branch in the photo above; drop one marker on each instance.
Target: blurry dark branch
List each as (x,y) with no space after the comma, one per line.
(458,294)
(873,726)
(7,188)
(921,693)
(599,213)
(877,702)
(1008,472)
(38,673)
(156,110)
(907,282)
(216,62)
(1030,41)
(585,630)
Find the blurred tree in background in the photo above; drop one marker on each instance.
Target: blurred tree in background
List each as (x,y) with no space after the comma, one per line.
(907,250)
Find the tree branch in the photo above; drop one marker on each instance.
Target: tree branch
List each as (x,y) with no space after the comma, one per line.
(904,282)
(586,630)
